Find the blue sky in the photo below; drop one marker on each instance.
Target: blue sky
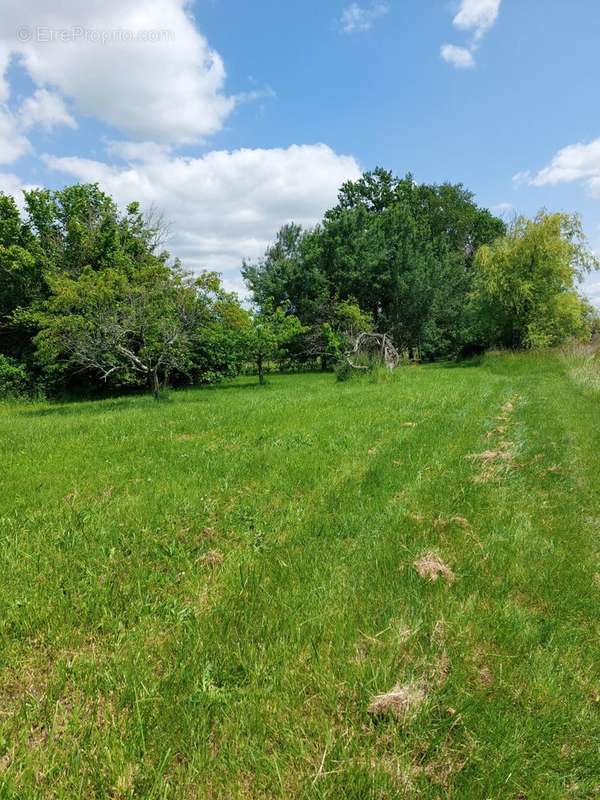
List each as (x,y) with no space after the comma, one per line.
(233,117)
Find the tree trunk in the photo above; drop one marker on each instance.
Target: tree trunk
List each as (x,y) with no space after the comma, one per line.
(155,385)
(261,371)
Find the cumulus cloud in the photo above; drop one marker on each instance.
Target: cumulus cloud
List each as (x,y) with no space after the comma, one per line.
(577,162)
(42,108)
(13,144)
(46,109)
(141,67)
(223,206)
(357,18)
(459,57)
(11,184)
(476,17)
(4,62)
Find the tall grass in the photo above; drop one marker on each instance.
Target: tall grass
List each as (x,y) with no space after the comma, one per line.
(583,364)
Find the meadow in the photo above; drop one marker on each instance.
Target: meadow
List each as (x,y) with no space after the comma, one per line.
(372,589)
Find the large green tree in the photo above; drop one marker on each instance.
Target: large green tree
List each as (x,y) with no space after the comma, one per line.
(402,251)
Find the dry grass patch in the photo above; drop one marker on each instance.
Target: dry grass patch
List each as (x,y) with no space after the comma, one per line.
(398,702)
(212,559)
(431,567)
(495,461)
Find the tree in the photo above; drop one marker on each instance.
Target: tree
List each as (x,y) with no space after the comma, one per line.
(331,338)
(402,252)
(21,279)
(288,275)
(524,286)
(124,330)
(266,336)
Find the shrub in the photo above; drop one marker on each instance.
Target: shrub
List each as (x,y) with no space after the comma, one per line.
(343,371)
(13,378)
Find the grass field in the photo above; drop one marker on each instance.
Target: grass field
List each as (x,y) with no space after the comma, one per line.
(204,597)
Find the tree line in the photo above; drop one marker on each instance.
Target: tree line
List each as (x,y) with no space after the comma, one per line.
(90,299)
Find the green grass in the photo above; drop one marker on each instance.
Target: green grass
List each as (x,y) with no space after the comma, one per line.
(200,598)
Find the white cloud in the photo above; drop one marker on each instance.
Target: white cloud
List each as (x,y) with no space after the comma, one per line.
(42,108)
(46,109)
(13,144)
(140,66)
(476,17)
(357,18)
(521,178)
(459,57)
(4,62)
(577,162)
(223,206)
(10,184)
(138,151)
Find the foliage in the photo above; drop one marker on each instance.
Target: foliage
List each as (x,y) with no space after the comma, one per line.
(344,371)
(402,252)
(524,288)
(266,336)
(128,330)
(88,297)
(13,378)
(331,338)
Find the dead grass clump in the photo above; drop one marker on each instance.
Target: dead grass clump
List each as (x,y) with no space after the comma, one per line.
(431,567)
(496,460)
(485,676)
(493,455)
(441,669)
(399,702)
(445,522)
(439,632)
(212,559)
(462,522)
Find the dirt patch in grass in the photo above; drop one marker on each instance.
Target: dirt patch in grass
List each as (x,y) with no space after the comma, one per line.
(431,567)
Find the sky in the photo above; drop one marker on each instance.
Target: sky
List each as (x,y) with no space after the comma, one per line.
(234,117)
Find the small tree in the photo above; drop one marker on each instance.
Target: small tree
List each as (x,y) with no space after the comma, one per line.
(524,284)
(337,329)
(267,334)
(130,331)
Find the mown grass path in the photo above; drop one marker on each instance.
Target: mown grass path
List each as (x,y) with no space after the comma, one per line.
(201,598)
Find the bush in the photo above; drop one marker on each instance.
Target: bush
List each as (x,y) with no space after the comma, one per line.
(13,378)
(343,371)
